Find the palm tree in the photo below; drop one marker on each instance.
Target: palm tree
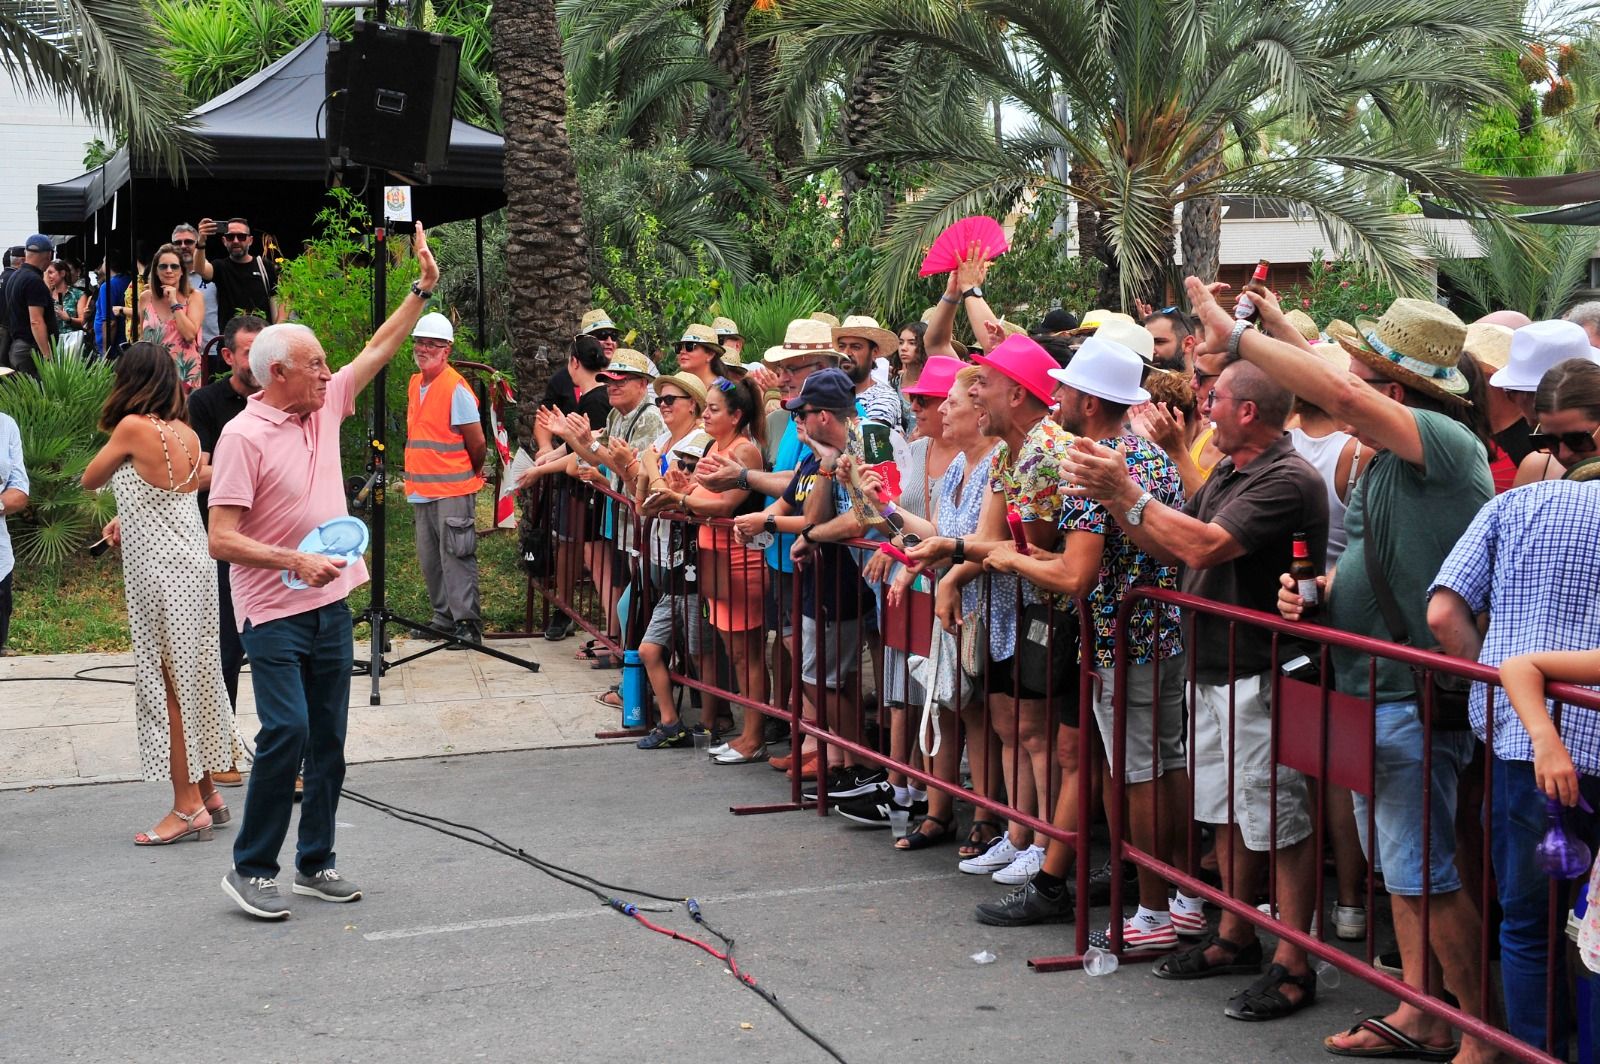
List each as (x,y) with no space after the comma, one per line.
(100,54)
(1170,101)
(546,250)
(1537,269)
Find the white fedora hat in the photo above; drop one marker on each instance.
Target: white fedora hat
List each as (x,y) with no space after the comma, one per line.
(1130,334)
(1536,348)
(1106,370)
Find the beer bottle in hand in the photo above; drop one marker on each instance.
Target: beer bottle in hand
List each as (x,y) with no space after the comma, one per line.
(1245,309)
(1303,571)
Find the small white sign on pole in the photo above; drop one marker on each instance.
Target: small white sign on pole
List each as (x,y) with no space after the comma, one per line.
(397,203)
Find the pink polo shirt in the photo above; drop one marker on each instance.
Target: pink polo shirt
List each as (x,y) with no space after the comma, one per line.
(284,470)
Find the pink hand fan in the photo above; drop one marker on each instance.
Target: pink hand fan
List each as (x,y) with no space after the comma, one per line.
(952,244)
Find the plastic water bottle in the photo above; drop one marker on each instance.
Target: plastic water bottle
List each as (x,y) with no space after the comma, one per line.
(632,690)
(1097,961)
(1560,854)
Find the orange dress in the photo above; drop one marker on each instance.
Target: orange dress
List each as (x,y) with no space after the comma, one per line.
(733,577)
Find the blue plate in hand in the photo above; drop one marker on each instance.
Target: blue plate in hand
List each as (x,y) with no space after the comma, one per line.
(342,537)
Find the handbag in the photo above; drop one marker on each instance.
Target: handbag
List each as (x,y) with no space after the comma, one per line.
(1052,661)
(1449,692)
(974,644)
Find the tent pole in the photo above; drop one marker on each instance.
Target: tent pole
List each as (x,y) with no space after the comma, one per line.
(483,328)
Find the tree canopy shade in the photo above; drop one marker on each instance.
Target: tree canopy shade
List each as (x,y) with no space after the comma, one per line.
(269,162)
(1161,103)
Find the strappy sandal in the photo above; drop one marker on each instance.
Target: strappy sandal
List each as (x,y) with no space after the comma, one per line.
(588,651)
(917,839)
(198,832)
(614,691)
(220,813)
(1262,1000)
(980,837)
(1192,963)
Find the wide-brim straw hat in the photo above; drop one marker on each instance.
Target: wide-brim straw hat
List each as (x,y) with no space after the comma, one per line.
(686,382)
(864,327)
(804,338)
(825,318)
(1415,343)
(704,335)
(1303,324)
(594,321)
(1489,344)
(726,327)
(1333,355)
(1339,327)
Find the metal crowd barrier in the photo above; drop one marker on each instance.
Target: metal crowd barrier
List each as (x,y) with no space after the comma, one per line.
(1327,736)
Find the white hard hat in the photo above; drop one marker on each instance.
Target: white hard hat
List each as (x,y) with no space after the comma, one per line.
(435,326)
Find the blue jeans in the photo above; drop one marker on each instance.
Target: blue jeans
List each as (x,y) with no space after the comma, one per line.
(1517,826)
(1398,789)
(300,667)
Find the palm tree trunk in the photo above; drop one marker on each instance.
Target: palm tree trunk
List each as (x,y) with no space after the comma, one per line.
(728,54)
(866,109)
(1201,240)
(546,252)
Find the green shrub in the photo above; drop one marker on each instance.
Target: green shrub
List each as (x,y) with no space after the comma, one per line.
(57,416)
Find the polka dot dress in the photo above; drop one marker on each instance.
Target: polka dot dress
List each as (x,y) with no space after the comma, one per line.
(171,583)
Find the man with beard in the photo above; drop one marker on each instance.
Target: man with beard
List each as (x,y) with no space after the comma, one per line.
(860,341)
(191,245)
(245,283)
(1176,341)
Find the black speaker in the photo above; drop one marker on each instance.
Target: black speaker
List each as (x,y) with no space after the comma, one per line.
(391,97)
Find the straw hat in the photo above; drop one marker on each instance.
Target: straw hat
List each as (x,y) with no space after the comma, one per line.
(1415,343)
(1333,355)
(1096,318)
(825,318)
(594,321)
(804,337)
(1130,334)
(1303,324)
(726,327)
(1489,344)
(1339,327)
(703,335)
(864,327)
(686,382)
(626,361)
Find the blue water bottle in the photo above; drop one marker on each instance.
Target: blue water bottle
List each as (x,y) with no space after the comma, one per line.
(632,690)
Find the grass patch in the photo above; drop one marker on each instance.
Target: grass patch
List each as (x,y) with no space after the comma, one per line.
(81,608)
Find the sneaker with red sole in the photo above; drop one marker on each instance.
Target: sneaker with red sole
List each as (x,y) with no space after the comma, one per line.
(1139,937)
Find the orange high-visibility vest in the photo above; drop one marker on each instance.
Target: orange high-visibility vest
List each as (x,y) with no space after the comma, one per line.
(437,465)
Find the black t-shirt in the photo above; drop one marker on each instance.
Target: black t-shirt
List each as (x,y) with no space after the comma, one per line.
(26,288)
(832,569)
(594,405)
(1514,440)
(240,289)
(210,408)
(558,392)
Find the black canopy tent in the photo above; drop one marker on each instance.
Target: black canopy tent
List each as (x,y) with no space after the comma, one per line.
(1576,198)
(269,164)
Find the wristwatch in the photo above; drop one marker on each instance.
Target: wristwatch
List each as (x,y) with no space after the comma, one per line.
(771,525)
(959,554)
(805,533)
(418,290)
(1239,328)
(1135,516)
(975,290)
(744,479)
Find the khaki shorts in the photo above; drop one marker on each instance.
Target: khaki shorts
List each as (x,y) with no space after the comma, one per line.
(1146,707)
(1252,766)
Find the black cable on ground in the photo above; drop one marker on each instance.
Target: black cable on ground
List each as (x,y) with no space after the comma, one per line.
(605,892)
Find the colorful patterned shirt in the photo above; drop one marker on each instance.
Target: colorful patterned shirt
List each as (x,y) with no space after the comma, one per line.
(1123,564)
(1032,483)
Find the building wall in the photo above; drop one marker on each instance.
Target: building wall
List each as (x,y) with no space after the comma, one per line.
(44,141)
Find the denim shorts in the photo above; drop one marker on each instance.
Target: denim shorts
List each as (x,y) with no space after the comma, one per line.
(1397,784)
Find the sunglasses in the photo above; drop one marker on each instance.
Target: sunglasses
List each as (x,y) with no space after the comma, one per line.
(169,265)
(606,334)
(236,236)
(666,401)
(807,411)
(1576,442)
(183,243)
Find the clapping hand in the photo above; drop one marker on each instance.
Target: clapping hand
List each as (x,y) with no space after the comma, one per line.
(718,472)
(678,481)
(1162,425)
(1094,471)
(575,429)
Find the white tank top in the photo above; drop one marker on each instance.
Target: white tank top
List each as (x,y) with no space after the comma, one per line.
(1323,453)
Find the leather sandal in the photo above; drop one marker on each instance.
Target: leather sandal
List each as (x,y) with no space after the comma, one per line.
(1192,964)
(220,813)
(917,839)
(1263,1000)
(192,830)
(980,837)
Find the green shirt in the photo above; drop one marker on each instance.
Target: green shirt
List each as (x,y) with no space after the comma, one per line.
(1419,515)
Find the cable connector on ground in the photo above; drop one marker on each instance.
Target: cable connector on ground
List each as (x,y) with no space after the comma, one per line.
(626,908)
(694,910)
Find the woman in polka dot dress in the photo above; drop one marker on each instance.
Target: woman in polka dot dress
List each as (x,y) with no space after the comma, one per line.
(152,463)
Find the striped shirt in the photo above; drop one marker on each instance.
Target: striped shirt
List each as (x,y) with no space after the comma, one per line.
(1528,558)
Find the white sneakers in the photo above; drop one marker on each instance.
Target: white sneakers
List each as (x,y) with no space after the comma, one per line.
(999,855)
(1023,868)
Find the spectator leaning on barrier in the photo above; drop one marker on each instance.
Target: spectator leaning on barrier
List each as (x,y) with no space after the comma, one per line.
(13,498)
(1233,536)
(1013,397)
(1528,562)
(445,447)
(1413,396)
(1101,564)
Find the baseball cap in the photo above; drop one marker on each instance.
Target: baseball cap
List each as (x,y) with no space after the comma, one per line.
(826,389)
(434,326)
(39,242)
(1058,320)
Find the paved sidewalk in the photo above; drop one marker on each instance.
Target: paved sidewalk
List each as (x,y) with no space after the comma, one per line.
(58,732)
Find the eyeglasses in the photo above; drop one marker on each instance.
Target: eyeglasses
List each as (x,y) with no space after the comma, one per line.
(792,367)
(427,342)
(169,265)
(1213,397)
(1576,442)
(183,243)
(236,236)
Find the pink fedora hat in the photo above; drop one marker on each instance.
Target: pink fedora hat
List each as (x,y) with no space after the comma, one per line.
(1025,362)
(938,377)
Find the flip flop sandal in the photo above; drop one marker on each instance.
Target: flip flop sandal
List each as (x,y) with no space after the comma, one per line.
(614,691)
(917,839)
(1396,1043)
(1192,963)
(1262,1000)
(980,837)
(589,650)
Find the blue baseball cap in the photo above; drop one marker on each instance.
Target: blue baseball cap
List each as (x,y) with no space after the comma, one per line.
(39,242)
(826,389)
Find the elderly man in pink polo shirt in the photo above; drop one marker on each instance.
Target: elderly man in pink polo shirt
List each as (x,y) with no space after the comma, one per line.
(277,476)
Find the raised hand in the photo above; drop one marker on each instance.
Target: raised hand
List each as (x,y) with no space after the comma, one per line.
(973,268)
(1162,425)
(1215,322)
(430,269)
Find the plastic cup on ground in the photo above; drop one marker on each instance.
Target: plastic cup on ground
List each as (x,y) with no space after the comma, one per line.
(900,822)
(1097,961)
(702,743)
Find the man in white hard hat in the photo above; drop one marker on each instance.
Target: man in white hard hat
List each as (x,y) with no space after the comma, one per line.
(444,461)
